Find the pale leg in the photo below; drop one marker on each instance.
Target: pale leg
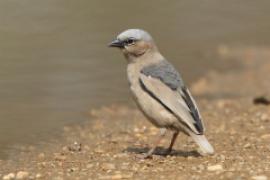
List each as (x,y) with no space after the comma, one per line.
(150,152)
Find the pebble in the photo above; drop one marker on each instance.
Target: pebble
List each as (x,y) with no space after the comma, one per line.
(108,166)
(125,166)
(65,149)
(22,175)
(117,176)
(261,177)
(248,145)
(59,157)
(122,176)
(58,178)
(201,167)
(89,166)
(38,175)
(9,176)
(135,167)
(75,147)
(121,155)
(217,167)
(222,157)
(264,117)
(41,156)
(229,175)
(265,136)
(99,150)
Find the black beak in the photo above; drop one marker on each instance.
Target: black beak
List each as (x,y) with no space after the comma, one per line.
(116,43)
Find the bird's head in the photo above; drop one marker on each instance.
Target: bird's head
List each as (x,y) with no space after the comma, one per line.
(134,42)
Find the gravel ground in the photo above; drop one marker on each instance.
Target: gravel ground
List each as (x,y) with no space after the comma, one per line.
(107,147)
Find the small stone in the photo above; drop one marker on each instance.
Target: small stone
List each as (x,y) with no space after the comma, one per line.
(70,170)
(251,157)
(265,136)
(160,169)
(38,175)
(43,164)
(222,157)
(264,117)
(121,155)
(41,156)
(89,166)
(9,176)
(22,175)
(229,175)
(217,167)
(108,166)
(136,130)
(99,150)
(261,177)
(58,178)
(75,147)
(67,129)
(65,149)
(125,166)
(248,145)
(31,148)
(135,167)
(201,167)
(85,147)
(122,176)
(194,177)
(117,176)
(59,157)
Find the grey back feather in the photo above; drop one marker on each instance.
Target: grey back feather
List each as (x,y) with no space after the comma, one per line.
(166,73)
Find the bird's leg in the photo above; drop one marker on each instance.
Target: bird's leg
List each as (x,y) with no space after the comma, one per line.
(161,135)
(175,134)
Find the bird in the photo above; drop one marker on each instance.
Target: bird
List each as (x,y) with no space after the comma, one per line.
(159,91)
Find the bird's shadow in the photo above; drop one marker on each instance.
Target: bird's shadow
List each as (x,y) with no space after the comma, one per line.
(162,152)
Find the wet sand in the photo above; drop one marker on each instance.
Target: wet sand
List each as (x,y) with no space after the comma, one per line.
(107,146)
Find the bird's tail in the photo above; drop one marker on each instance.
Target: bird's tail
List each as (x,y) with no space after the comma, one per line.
(203,143)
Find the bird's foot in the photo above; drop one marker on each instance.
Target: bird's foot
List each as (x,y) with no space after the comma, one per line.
(167,152)
(144,156)
(150,155)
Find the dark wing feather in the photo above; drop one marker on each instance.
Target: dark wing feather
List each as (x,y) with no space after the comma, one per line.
(194,111)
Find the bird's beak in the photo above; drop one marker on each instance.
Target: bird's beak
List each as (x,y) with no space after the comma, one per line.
(116,43)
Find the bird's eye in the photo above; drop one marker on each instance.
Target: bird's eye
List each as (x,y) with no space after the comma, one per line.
(130,42)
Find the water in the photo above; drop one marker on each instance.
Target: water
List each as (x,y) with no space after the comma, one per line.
(55,65)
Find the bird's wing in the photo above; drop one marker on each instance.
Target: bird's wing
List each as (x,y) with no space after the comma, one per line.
(177,100)
(194,111)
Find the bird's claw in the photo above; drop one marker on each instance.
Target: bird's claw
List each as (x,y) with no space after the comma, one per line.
(167,152)
(144,156)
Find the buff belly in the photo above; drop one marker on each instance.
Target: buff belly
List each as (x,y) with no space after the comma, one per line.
(153,110)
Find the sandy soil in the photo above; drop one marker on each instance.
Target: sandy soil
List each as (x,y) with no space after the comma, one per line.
(107,146)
